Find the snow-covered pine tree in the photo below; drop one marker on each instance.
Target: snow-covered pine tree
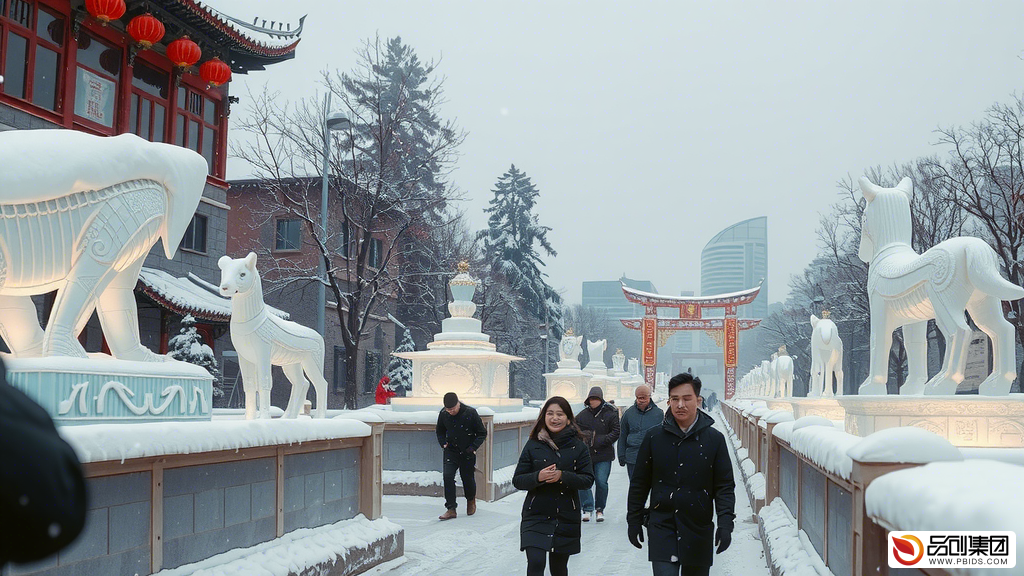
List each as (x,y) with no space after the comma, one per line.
(400,370)
(188,346)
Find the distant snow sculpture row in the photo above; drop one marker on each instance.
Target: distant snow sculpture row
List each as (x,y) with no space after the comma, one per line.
(906,290)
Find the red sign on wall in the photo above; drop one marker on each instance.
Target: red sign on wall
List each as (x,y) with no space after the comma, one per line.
(649,329)
(730,342)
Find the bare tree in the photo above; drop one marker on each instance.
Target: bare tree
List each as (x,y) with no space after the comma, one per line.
(388,178)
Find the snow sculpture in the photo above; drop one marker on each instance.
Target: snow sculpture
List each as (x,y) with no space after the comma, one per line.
(263,340)
(826,357)
(907,289)
(596,352)
(618,363)
(569,350)
(782,374)
(79,215)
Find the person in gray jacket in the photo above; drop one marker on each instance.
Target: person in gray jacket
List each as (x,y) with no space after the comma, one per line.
(636,421)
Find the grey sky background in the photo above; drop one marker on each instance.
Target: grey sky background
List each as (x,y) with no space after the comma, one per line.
(650,126)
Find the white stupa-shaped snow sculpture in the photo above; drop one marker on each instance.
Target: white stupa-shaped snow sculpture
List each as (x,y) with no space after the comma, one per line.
(461,359)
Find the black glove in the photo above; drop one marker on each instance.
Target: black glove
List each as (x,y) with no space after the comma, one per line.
(636,535)
(723,537)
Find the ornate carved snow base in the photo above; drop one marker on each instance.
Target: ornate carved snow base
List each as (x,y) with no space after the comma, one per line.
(827,408)
(974,421)
(105,390)
(573,385)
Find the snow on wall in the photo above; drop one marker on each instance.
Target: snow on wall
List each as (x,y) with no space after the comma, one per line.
(293,552)
(904,444)
(779,416)
(967,495)
(239,413)
(1008,455)
(760,411)
(757,485)
(103,442)
(415,477)
(528,414)
(825,447)
(811,421)
(503,475)
(791,552)
(747,466)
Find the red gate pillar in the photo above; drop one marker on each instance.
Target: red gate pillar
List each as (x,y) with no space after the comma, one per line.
(731,337)
(649,331)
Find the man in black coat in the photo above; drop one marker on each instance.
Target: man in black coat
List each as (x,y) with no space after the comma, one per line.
(599,422)
(460,432)
(684,465)
(42,491)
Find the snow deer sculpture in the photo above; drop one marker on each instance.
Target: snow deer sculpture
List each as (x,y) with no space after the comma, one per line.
(263,340)
(80,214)
(906,289)
(764,379)
(782,374)
(826,358)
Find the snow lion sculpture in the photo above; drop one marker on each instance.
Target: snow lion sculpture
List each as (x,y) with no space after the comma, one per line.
(826,357)
(263,340)
(907,289)
(79,213)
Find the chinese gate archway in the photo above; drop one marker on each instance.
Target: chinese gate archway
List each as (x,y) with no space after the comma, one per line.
(655,331)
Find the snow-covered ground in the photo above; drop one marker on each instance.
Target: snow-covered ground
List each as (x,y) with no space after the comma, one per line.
(488,542)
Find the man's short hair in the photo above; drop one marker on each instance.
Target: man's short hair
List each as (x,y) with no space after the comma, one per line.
(450,400)
(685,378)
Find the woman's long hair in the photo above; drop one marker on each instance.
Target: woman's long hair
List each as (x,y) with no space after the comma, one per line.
(542,424)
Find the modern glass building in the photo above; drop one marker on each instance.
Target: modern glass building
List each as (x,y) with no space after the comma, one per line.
(607,296)
(737,259)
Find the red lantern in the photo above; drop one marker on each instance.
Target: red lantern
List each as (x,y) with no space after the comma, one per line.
(105,10)
(184,52)
(146,30)
(215,72)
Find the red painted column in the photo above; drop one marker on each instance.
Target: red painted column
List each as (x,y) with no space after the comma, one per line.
(731,339)
(649,332)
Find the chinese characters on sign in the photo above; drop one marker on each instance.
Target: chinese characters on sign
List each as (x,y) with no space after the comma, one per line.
(650,333)
(94,98)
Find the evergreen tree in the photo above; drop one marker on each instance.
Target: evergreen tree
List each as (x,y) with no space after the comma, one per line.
(188,346)
(399,369)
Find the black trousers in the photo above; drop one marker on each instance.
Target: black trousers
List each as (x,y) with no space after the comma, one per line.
(535,560)
(462,463)
(677,569)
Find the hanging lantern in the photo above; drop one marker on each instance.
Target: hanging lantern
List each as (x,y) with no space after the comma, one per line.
(215,72)
(105,10)
(146,30)
(183,52)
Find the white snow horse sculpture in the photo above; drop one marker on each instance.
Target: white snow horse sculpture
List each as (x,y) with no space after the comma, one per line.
(826,357)
(263,340)
(79,214)
(782,374)
(906,289)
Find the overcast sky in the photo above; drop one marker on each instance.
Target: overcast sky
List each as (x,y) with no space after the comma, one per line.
(650,126)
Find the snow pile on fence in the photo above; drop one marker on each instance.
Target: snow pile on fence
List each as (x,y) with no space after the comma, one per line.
(791,552)
(747,467)
(102,442)
(827,447)
(757,484)
(967,495)
(299,551)
(527,414)
(503,476)
(239,413)
(905,444)
(415,477)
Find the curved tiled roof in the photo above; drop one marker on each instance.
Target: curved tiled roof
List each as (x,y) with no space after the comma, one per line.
(263,43)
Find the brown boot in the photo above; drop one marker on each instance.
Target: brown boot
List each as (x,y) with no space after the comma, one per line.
(471,507)
(448,515)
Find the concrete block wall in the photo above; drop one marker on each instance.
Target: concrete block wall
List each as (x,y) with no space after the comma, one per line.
(506,448)
(321,488)
(213,508)
(415,450)
(116,538)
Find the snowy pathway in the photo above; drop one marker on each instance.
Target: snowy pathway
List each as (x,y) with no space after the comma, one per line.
(488,542)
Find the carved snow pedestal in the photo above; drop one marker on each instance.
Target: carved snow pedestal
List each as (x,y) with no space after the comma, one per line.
(973,421)
(602,376)
(461,359)
(568,380)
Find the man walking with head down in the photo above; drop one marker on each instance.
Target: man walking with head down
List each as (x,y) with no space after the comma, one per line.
(460,432)
(636,421)
(684,465)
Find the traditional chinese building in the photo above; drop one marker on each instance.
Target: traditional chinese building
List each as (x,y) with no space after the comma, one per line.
(160,69)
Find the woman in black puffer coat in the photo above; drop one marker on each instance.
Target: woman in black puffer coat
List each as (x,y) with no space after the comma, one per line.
(554,467)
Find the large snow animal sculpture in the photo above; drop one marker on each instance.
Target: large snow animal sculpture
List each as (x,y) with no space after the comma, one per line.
(78,214)
(263,340)
(596,352)
(826,357)
(782,374)
(906,289)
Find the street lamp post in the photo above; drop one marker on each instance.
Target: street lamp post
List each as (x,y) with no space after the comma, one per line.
(335,121)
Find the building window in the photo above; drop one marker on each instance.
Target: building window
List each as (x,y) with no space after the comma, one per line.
(343,239)
(340,369)
(196,126)
(373,369)
(195,235)
(149,102)
(32,42)
(289,235)
(99,69)
(376,254)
